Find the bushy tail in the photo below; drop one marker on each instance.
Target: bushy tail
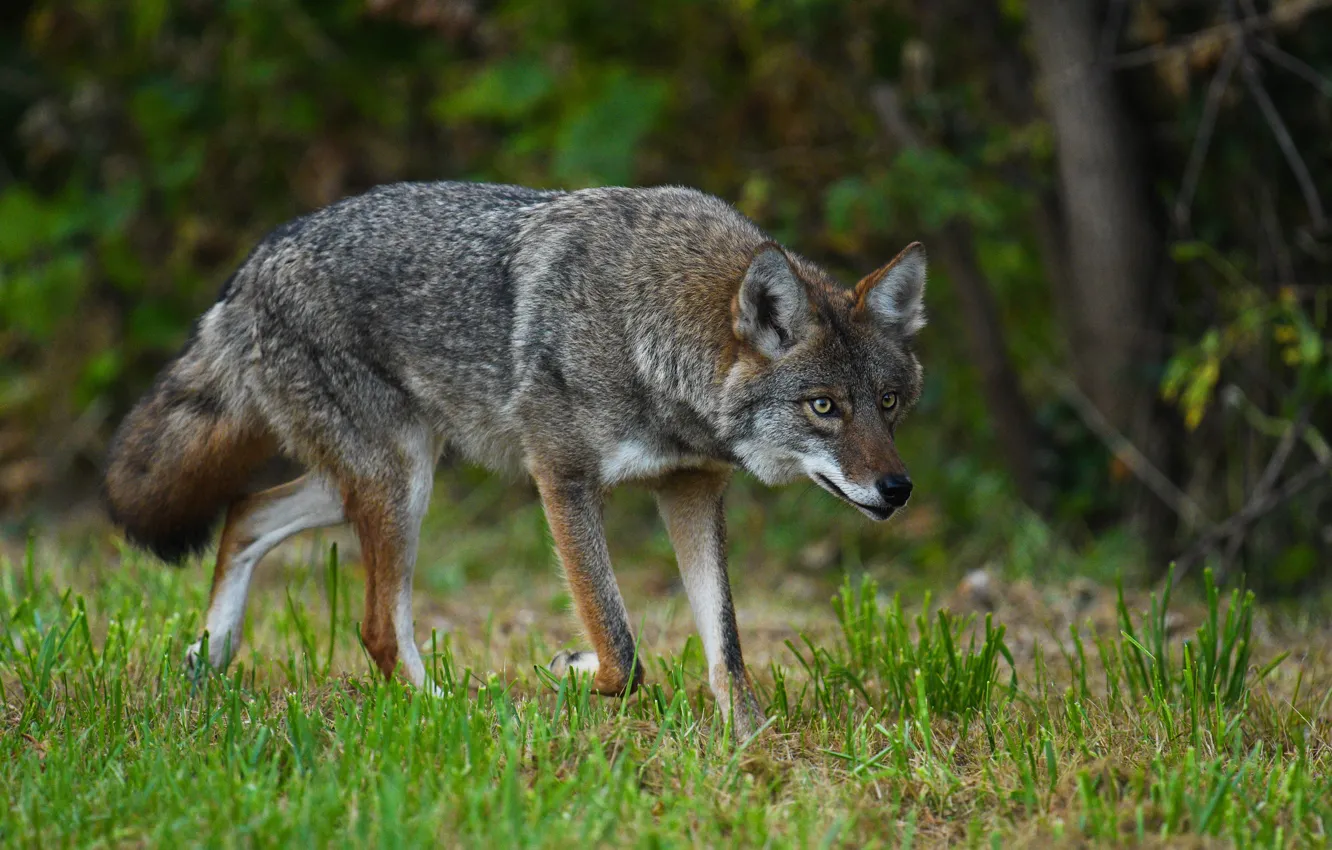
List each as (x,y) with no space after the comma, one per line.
(179,458)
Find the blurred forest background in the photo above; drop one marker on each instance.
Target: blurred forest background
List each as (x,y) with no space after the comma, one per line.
(1123,200)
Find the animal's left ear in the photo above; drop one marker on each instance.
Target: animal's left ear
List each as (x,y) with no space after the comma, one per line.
(895,294)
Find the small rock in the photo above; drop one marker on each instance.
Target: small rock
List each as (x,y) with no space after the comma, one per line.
(1082,593)
(978,590)
(820,555)
(797,587)
(1174,623)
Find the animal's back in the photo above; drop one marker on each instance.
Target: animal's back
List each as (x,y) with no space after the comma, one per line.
(389,307)
(496,315)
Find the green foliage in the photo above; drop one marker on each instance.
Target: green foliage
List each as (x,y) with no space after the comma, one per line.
(1199,692)
(508,90)
(1255,322)
(106,738)
(891,671)
(1207,690)
(598,142)
(939,189)
(43,276)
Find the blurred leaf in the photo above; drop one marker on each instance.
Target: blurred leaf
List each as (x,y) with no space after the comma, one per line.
(937,188)
(854,206)
(1015,10)
(160,110)
(301,116)
(1294,565)
(1184,252)
(101,371)
(506,90)
(34,301)
(148,16)
(153,325)
(597,143)
(25,225)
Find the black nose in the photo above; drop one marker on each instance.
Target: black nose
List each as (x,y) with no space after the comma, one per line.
(895,489)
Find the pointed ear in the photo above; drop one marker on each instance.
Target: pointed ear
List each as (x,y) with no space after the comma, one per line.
(895,294)
(771,310)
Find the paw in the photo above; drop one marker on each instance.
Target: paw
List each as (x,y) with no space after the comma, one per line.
(583,662)
(607,681)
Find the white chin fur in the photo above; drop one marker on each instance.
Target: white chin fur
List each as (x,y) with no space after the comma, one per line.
(769,467)
(821,467)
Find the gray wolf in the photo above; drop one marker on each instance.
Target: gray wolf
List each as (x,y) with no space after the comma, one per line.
(584,338)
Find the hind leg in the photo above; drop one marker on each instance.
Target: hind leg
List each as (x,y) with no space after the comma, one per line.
(386,511)
(255,524)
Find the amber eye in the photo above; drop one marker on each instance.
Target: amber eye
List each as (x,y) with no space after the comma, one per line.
(822,406)
(889,401)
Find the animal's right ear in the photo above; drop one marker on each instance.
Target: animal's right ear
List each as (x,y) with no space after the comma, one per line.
(771,311)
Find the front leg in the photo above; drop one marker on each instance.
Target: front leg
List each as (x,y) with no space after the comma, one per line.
(573,510)
(691,504)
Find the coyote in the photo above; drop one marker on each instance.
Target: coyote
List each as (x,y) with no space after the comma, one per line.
(585,338)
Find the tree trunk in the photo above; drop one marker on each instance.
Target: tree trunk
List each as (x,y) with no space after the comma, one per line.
(1113,248)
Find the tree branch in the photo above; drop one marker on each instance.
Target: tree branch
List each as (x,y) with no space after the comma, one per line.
(1198,155)
(1293,158)
(1114,22)
(1271,472)
(1296,66)
(1129,454)
(1253,511)
(1286,13)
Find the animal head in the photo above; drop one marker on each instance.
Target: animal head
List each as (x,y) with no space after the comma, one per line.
(825,374)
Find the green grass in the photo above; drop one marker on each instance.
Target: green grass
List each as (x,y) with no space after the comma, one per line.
(893,724)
